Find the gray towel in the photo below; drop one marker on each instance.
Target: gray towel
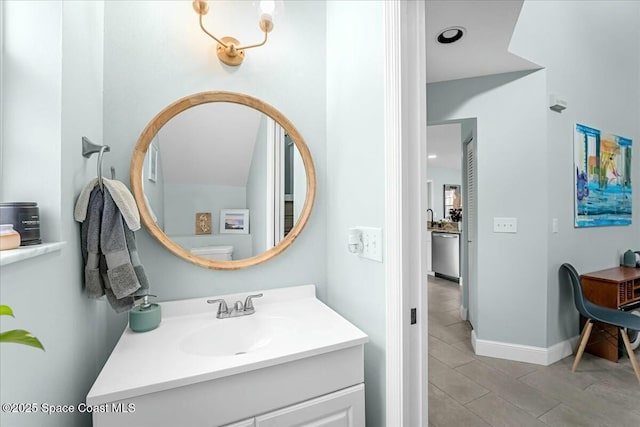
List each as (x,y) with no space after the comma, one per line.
(90,241)
(135,261)
(122,277)
(120,305)
(112,264)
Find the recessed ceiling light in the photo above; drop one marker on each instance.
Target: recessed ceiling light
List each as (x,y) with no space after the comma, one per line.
(432,156)
(450,35)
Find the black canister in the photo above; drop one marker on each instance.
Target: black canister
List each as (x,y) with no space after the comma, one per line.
(25,217)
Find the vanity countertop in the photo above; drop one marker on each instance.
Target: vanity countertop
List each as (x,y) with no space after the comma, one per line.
(153,361)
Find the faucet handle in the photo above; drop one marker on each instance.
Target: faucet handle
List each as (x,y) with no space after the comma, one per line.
(222,308)
(248,303)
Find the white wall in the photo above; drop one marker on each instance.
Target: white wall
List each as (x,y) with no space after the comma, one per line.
(155,53)
(440,177)
(592,58)
(355,178)
(65,103)
(512,182)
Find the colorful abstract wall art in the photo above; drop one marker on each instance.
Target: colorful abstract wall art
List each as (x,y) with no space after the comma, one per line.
(602,172)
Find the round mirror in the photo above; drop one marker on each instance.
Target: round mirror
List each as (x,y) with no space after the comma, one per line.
(223,180)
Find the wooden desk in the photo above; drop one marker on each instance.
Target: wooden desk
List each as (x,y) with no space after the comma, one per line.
(617,287)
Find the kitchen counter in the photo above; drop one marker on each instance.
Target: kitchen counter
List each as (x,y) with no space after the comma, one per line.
(444,229)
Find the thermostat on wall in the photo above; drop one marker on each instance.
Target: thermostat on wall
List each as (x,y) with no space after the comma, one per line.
(557,103)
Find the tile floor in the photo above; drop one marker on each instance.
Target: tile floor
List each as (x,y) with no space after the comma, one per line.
(466,390)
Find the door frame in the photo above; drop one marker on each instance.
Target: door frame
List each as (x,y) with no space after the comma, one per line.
(275,183)
(405,123)
(466,284)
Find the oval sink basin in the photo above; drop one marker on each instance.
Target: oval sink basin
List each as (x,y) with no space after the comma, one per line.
(237,336)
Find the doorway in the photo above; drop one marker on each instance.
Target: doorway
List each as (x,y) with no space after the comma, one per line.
(449,145)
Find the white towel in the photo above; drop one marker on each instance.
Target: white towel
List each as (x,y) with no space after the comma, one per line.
(121,196)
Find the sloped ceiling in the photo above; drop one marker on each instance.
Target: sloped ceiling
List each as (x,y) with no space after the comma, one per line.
(209,144)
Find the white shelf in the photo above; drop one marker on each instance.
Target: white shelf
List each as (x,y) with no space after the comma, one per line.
(25,252)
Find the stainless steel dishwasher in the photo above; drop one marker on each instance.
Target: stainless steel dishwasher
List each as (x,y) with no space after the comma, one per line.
(446,255)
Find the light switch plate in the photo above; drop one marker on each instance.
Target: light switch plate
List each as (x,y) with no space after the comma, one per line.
(372,243)
(505,225)
(554,225)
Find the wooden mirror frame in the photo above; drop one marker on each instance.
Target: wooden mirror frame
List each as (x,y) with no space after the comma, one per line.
(150,131)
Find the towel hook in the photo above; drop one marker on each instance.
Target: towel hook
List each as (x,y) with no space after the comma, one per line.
(89,148)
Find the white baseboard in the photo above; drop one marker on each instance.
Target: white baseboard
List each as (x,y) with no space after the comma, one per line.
(523,353)
(463,313)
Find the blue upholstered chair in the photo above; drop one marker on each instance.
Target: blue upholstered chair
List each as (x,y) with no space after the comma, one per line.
(597,313)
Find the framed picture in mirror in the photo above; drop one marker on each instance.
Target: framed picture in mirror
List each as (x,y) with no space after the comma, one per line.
(234,221)
(203,223)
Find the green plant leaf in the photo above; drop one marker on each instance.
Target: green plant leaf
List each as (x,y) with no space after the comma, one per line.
(5,310)
(19,336)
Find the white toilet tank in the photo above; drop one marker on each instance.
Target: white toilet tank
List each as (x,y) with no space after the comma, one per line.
(220,253)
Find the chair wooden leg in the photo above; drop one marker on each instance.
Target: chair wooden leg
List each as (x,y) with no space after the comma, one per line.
(632,356)
(586,332)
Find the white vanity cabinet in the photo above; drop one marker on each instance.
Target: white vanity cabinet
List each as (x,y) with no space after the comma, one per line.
(344,408)
(312,387)
(301,364)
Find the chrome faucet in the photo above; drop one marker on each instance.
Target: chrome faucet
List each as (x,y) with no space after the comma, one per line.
(238,309)
(430,222)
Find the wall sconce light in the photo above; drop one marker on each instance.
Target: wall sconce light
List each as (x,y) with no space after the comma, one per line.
(229,50)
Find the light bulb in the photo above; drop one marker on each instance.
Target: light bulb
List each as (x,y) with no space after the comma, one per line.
(267,6)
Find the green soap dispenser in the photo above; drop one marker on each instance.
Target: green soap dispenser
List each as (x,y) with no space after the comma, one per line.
(145,316)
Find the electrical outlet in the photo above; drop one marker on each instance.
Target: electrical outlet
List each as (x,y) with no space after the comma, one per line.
(505,225)
(371,243)
(554,225)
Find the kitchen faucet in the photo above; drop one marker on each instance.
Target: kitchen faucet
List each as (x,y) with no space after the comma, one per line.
(430,222)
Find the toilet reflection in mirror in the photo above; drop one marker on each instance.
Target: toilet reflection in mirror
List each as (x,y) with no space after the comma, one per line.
(223,155)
